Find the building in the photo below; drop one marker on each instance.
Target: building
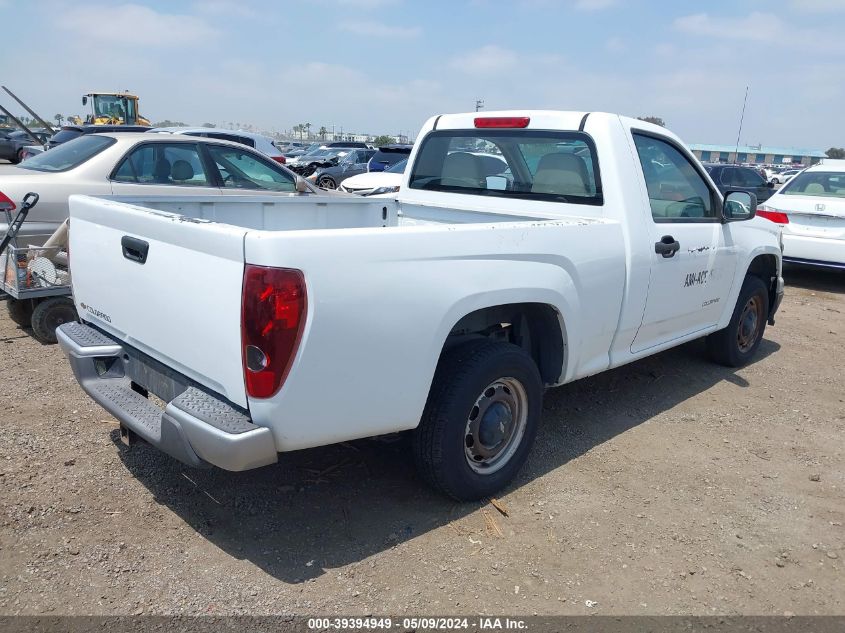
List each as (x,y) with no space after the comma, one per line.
(756,154)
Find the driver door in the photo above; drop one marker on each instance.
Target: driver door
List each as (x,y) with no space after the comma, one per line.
(162,169)
(693,257)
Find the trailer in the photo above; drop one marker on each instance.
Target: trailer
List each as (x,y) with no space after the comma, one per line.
(35,280)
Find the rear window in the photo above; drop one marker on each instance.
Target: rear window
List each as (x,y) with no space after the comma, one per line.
(68,155)
(63,136)
(527,164)
(398,168)
(816,183)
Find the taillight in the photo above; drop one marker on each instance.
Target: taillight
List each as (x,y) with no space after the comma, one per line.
(279,159)
(502,121)
(272,320)
(778,217)
(6,203)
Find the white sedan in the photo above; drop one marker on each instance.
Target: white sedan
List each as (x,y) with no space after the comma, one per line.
(376,183)
(124,163)
(785,175)
(811,211)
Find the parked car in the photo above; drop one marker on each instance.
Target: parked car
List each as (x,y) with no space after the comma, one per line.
(263,144)
(446,312)
(352,164)
(70,132)
(346,144)
(12,144)
(376,183)
(323,157)
(735,177)
(810,209)
(388,155)
(785,175)
(139,164)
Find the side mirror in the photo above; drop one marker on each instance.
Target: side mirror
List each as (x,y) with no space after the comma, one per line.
(739,206)
(770,185)
(84,100)
(301,185)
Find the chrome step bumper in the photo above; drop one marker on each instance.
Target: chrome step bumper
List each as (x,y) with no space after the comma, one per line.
(195,427)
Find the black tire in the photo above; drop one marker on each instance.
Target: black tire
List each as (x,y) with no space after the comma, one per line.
(442,441)
(50,314)
(326,183)
(17,158)
(736,345)
(20,311)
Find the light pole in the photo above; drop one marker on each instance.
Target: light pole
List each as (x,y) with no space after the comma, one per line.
(479,103)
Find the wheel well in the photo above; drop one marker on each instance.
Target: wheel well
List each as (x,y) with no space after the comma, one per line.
(766,268)
(535,327)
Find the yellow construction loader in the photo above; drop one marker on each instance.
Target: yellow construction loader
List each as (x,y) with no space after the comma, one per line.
(111,108)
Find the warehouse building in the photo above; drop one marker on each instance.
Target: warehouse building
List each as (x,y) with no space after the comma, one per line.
(756,154)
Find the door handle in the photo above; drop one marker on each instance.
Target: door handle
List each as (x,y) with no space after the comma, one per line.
(134,249)
(667,246)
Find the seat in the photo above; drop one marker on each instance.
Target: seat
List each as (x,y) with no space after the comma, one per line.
(561,174)
(462,169)
(814,187)
(182,171)
(161,171)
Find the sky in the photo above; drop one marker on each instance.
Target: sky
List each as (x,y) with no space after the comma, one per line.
(385,66)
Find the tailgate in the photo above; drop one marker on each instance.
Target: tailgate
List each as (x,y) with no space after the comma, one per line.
(181,305)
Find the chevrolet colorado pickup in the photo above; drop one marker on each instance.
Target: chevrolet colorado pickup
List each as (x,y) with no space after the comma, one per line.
(525,250)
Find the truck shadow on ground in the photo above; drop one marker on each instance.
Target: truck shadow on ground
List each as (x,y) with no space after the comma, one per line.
(320,509)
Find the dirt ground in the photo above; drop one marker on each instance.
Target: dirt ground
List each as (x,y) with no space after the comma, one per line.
(670,486)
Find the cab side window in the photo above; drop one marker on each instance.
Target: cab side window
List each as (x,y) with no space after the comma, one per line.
(676,191)
(244,170)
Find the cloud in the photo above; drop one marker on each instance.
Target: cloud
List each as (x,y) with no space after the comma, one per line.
(756,26)
(377,29)
(132,24)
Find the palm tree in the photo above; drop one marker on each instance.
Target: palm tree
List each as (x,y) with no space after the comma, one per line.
(308,129)
(323,131)
(59,118)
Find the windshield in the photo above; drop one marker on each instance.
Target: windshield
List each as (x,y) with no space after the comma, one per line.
(63,136)
(68,155)
(398,168)
(823,184)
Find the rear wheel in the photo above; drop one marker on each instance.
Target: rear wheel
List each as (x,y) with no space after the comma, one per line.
(736,345)
(50,314)
(20,311)
(480,419)
(18,157)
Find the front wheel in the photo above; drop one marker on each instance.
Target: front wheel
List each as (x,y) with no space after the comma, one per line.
(326,183)
(480,419)
(736,345)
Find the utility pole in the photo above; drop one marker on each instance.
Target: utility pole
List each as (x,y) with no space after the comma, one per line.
(741,119)
(479,103)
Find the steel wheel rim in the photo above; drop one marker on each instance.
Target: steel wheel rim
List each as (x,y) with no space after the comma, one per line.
(328,184)
(749,324)
(495,425)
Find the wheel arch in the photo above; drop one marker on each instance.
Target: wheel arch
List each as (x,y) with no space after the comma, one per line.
(536,327)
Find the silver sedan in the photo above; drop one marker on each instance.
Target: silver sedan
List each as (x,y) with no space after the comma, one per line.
(139,164)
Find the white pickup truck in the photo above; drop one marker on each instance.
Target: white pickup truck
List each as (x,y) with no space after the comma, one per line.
(525,250)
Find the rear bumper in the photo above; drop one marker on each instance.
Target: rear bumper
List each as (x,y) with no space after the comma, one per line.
(195,427)
(814,251)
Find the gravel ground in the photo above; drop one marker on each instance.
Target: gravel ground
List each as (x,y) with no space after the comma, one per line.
(670,486)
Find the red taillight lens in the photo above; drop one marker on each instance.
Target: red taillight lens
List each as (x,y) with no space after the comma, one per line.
(502,121)
(775,216)
(272,320)
(279,159)
(6,203)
